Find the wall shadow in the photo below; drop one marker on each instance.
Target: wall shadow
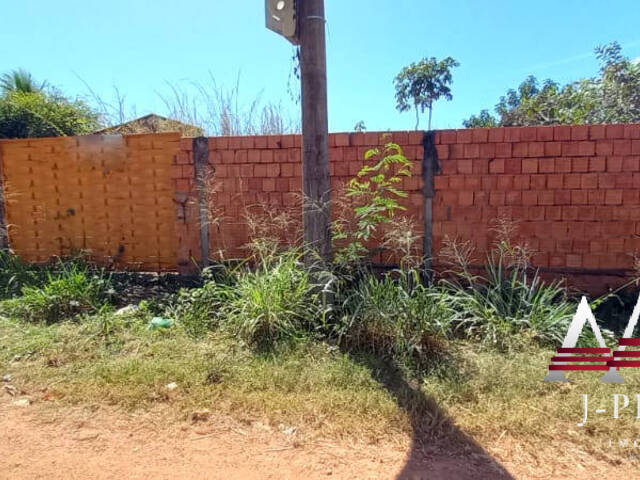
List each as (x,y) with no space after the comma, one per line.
(439,450)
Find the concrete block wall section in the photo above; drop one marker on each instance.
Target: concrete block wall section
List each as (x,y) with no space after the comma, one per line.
(109,195)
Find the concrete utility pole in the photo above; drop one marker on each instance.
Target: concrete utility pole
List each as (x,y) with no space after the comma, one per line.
(303,23)
(315,128)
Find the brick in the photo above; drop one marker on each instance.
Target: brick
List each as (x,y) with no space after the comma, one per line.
(505,182)
(589,181)
(513,198)
(538,182)
(579,164)
(503,150)
(496,165)
(416,138)
(574,260)
(596,197)
(456,150)
(615,131)
(480,135)
(261,170)
(513,165)
(341,139)
(512,134)
(579,197)
(447,136)
(555,182)
(441,182)
(553,213)
(489,182)
(624,181)
(464,166)
(465,198)
(545,197)
(562,197)
(632,131)
(472,182)
(614,164)
(597,132)
(604,147)
(546,165)
(607,181)
(570,213)
(521,182)
(496,198)
(635,147)
(443,151)
(496,135)
(520,149)
(552,149)
(480,166)
(586,148)
(579,132)
(544,134)
(535,149)
(597,164)
(613,197)
(464,136)
(269,184)
(529,165)
(622,147)
(630,164)
(471,150)
(561,132)
(528,134)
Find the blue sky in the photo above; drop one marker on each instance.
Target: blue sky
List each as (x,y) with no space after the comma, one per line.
(140,45)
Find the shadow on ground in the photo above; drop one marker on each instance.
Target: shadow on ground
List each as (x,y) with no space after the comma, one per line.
(439,449)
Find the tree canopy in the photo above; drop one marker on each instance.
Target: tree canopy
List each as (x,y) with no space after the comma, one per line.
(31,110)
(613,96)
(420,84)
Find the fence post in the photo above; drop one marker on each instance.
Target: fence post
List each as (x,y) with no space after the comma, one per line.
(430,167)
(4,229)
(201,167)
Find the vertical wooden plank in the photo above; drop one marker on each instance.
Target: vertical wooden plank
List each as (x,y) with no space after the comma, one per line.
(201,163)
(4,232)
(430,167)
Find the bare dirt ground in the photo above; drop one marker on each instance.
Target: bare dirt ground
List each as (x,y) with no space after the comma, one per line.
(49,442)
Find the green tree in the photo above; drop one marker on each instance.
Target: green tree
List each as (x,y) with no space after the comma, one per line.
(29,109)
(613,96)
(19,81)
(44,114)
(421,84)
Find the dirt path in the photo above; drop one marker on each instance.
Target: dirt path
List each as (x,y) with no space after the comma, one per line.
(39,442)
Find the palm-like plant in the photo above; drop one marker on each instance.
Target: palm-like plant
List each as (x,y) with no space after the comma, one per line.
(19,81)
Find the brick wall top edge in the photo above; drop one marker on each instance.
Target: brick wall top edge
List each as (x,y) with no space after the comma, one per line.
(97,135)
(633,125)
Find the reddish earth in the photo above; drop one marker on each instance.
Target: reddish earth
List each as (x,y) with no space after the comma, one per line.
(41,442)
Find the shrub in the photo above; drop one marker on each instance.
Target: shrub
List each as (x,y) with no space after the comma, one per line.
(274,302)
(395,317)
(72,291)
(199,310)
(510,305)
(16,274)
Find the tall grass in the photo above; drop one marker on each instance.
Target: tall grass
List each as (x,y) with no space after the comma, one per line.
(276,301)
(67,292)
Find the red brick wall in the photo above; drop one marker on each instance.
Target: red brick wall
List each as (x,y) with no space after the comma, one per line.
(253,173)
(573,189)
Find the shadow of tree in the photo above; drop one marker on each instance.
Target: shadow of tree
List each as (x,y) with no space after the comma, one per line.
(439,449)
